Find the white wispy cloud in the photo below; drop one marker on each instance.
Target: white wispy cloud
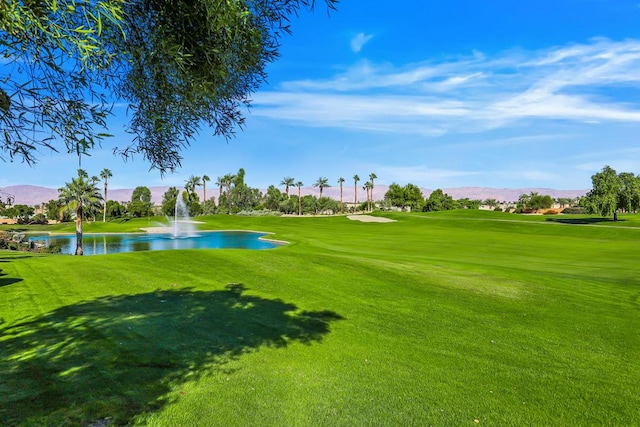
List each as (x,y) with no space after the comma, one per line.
(468,94)
(622,160)
(359,40)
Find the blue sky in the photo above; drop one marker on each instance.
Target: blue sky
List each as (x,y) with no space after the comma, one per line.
(438,93)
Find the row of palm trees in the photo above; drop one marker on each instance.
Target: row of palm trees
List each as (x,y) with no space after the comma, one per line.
(222,182)
(323,183)
(225,181)
(196,181)
(368,187)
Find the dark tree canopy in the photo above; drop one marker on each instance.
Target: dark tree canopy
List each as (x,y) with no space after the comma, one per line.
(613,192)
(439,201)
(602,199)
(177,64)
(408,196)
(141,194)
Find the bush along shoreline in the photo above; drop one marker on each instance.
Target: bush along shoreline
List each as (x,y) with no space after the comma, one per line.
(14,241)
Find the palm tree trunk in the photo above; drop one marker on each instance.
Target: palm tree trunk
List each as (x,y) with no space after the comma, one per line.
(299,203)
(355,198)
(372,187)
(104,211)
(368,198)
(341,204)
(79,250)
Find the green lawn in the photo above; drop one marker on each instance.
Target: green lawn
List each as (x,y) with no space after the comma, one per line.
(454,318)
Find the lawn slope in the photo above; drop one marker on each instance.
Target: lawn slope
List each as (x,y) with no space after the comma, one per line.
(436,319)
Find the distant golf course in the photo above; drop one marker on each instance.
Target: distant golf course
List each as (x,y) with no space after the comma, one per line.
(455,318)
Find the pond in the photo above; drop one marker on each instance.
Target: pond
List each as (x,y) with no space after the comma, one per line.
(97,244)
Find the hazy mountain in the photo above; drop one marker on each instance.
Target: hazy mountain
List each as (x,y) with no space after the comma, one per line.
(34,195)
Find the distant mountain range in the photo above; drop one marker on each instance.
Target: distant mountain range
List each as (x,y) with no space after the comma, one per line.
(34,195)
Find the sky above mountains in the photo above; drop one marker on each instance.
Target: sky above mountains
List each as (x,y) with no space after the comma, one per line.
(440,94)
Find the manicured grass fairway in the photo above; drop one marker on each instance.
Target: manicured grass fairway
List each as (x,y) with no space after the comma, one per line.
(437,319)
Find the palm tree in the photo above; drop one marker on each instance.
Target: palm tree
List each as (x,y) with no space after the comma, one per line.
(356,178)
(287,181)
(191,184)
(205,178)
(524,199)
(228,180)
(368,187)
(322,183)
(492,203)
(94,209)
(105,175)
(372,176)
(9,200)
(76,196)
(364,187)
(299,185)
(340,181)
(220,183)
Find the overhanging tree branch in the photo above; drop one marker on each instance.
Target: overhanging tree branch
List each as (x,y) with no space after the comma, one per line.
(177,64)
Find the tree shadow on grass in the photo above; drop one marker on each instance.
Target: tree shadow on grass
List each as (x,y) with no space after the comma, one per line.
(584,221)
(6,281)
(8,256)
(118,357)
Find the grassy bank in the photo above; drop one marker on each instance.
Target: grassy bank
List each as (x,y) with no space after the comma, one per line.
(454,318)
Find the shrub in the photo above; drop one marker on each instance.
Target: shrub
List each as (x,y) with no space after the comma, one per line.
(53,248)
(4,240)
(39,219)
(497,209)
(574,210)
(265,212)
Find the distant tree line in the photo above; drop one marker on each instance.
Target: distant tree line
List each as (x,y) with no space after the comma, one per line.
(409,197)
(233,196)
(611,193)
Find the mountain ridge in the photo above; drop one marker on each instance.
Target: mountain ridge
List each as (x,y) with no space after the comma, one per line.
(35,195)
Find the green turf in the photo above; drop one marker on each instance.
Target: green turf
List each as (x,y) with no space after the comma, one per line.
(436,319)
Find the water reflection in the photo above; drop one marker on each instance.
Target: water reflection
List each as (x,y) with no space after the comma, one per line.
(96,244)
(140,246)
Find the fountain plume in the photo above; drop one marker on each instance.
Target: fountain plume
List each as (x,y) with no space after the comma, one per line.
(181,224)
